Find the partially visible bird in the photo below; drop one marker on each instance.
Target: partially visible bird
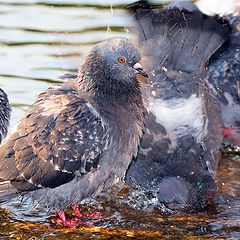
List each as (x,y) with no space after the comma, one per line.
(179,150)
(5,112)
(223,70)
(223,76)
(219,7)
(79,137)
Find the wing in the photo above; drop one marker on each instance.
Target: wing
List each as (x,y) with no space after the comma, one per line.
(58,138)
(68,75)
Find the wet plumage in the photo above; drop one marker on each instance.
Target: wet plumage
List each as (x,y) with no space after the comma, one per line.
(180,146)
(223,76)
(78,138)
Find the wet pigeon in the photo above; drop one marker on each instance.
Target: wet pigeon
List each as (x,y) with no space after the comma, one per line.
(179,150)
(223,76)
(5,112)
(223,71)
(79,137)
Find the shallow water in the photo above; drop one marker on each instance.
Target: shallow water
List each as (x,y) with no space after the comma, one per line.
(41,40)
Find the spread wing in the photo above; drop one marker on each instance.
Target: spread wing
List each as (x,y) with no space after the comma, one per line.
(59,137)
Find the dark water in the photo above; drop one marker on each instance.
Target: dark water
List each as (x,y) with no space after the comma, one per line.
(41,40)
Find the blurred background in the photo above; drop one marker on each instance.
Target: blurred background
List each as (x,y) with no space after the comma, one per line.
(41,40)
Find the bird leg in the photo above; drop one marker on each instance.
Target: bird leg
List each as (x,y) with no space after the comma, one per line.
(74,222)
(78,213)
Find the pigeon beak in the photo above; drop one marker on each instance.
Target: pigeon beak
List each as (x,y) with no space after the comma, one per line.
(139,70)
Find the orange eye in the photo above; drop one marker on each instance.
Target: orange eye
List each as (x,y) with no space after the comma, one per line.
(121,60)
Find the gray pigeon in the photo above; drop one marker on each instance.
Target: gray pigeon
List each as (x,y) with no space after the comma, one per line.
(179,150)
(79,137)
(5,112)
(223,76)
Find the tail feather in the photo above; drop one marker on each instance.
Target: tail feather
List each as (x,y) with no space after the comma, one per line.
(180,39)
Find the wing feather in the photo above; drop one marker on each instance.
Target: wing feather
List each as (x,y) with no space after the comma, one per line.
(58,137)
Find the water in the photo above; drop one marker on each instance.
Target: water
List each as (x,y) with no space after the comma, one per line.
(40,41)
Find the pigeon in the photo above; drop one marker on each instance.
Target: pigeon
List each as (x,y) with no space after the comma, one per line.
(179,150)
(222,72)
(5,113)
(223,76)
(78,138)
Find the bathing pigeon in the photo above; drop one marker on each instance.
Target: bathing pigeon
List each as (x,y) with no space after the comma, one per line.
(79,137)
(5,112)
(223,76)
(179,150)
(223,71)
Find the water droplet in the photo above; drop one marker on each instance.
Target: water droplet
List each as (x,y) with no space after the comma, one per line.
(164,69)
(111,8)
(108,29)
(154,93)
(110,17)
(153,73)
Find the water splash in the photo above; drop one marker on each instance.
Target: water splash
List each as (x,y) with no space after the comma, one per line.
(109,30)
(110,19)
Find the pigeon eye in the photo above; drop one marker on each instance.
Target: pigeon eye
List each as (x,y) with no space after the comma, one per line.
(121,60)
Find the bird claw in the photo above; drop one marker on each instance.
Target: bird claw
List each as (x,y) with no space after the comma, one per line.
(68,223)
(76,210)
(78,213)
(75,221)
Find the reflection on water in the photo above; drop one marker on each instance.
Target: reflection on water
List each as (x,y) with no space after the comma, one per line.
(41,40)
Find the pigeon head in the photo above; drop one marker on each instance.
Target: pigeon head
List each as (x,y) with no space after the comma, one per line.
(111,68)
(121,59)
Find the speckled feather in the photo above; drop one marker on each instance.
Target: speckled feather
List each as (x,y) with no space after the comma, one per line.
(58,136)
(77,138)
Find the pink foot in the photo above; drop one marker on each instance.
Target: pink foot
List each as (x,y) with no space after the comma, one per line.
(233,134)
(74,222)
(78,213)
